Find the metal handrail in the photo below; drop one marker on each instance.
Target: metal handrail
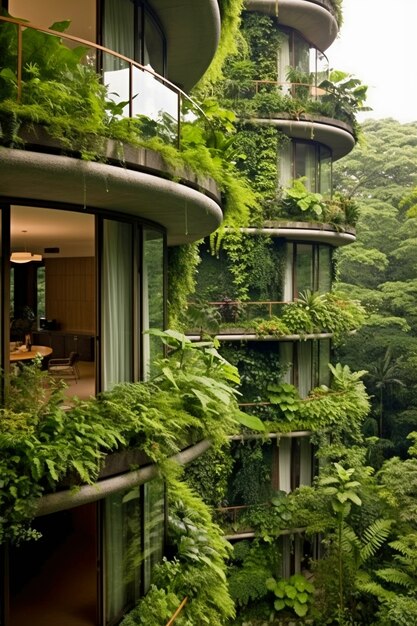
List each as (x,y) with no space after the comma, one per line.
(22,25)
(177,612)
(315,91)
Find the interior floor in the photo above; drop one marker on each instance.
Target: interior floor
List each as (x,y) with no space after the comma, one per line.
(64,592)
(84,387)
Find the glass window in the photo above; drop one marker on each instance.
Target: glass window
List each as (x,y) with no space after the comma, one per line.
(123,554)
(304,368)
(305,161)
(154,520)
(303,278)
(153,294)
(40,282)
(324,269)
(325,171)
(286,358)
(153,53)
(283,60)
(116,288)
(301,54)
(324,360)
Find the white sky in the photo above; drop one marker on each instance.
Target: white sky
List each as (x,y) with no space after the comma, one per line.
(378,44)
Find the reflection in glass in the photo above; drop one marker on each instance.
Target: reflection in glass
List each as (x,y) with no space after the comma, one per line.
(154,520)
(153,295)
(324,269)
(154,46)
(122,552)
(305,164)
(116,287)
(324,360)
(304,368)
(303,269)
(325,171)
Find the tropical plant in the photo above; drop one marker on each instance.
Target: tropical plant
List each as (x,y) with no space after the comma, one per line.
(298,198)
(294,594)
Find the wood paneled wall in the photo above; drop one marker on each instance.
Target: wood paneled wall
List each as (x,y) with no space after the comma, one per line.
(70,293)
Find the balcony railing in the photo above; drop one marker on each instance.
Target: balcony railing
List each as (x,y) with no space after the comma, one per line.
(296,90)
(132,89)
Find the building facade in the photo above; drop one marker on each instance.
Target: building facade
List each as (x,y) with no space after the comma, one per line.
(92,221)
(281,266)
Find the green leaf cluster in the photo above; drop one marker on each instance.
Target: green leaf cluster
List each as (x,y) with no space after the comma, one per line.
(293,594)
(43,442)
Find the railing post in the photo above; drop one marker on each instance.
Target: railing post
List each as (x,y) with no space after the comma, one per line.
(19,62)
(130,89)
(179,122)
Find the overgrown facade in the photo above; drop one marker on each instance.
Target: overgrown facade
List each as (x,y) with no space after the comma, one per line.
(92,212)
(266,289)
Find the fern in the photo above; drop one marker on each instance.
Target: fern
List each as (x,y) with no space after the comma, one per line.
(375,536)
(396,577)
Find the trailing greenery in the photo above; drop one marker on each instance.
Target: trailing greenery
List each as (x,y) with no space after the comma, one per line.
(183,262)
(339,409)
(43,443)
(196,570)
(67,98)
(230,11)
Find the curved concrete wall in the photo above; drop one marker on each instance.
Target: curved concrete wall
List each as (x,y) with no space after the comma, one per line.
(186,213)
(192,30)
(314,21)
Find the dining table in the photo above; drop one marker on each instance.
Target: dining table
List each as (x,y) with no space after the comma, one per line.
(23,354)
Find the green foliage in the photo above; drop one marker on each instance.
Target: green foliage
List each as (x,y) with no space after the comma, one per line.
(269,519)
(183,262)
(230,11)
(196,570)
(259,369)
(252,565)
(315,313)
(297,198)
(345,95)
(286,399)
(294,594)
(250,480)
(42,443)
(256,265)
(208,475)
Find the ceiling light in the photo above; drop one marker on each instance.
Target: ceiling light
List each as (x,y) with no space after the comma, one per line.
(24,257)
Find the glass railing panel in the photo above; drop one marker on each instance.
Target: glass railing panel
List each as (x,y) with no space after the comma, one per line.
(157,102)
(116,78)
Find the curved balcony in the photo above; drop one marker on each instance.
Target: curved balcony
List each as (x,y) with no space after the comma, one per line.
(314,19)
(336,135)
(314,232)
(192,32)
(310,316)
(183,209)
(113,480)
(50,171)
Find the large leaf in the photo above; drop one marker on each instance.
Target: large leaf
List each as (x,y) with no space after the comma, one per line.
(250,421)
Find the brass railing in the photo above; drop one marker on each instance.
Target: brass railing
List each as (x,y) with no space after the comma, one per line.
(177,612)
(310,90)
(235,310)
(135,72)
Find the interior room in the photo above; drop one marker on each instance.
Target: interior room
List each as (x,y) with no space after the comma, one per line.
(52,299)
